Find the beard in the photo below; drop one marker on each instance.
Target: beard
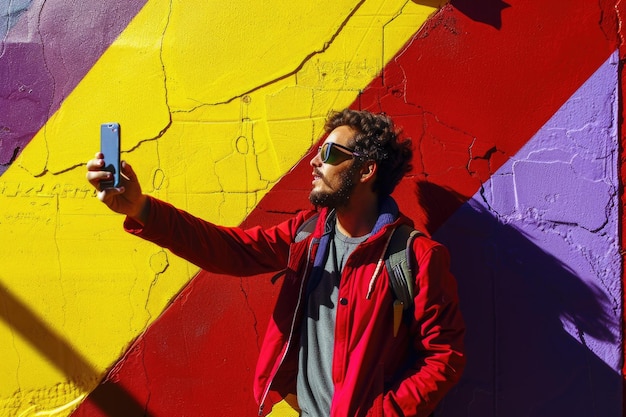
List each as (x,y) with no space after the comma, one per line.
(339,197)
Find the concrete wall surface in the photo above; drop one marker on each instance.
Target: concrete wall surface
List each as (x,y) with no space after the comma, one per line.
(514,108)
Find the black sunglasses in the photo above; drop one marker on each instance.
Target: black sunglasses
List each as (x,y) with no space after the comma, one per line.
(333,153)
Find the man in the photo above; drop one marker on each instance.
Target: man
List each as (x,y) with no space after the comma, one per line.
(331,348)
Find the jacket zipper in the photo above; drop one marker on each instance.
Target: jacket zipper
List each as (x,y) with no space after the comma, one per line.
(289,340)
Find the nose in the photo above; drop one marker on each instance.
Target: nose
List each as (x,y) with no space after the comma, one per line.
(316,161)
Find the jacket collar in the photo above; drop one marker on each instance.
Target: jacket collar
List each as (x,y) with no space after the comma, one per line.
(388,213)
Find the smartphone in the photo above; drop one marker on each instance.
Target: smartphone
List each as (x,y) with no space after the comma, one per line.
(110,147)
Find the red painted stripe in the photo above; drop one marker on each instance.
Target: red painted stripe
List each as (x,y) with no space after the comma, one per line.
(464,89)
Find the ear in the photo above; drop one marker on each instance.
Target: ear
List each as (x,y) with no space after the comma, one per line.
(368,171)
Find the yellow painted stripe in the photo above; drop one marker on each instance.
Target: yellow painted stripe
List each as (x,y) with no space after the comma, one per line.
(216,104)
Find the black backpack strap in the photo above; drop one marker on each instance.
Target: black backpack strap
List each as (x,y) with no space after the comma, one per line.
(401,271)
(399,261)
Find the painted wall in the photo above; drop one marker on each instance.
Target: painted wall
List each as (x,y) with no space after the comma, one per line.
(514,111)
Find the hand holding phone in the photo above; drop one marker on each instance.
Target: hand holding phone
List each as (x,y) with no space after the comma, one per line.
(110,147)
(126,198)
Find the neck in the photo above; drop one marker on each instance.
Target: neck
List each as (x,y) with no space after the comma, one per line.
(358,218)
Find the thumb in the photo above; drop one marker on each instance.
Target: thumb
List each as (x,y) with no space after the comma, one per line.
(128,171)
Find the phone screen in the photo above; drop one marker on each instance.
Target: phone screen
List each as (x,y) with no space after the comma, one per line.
(110,147)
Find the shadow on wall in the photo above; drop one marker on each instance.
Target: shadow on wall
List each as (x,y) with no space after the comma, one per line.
(483,11)
(515,299)
(62,355)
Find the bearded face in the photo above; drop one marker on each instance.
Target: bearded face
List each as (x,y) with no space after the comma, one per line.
(335,194)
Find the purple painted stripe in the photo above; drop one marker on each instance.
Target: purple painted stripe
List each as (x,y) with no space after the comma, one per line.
(536,255)
(9,14)
(45,55)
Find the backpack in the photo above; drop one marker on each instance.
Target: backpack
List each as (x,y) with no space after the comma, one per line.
(398,260)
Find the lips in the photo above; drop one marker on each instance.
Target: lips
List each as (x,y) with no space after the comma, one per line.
(316,179)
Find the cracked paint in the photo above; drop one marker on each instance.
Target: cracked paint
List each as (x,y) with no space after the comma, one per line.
(549,298)
(211,138)
(41,61)
(547,220)
(219,108)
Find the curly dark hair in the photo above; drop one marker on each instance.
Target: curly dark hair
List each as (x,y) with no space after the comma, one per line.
(378,140)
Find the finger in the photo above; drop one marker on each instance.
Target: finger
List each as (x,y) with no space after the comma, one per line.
(95,177)
(99,175)
(95,164)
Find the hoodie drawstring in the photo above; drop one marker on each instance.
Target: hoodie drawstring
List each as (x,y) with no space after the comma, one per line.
(379,266)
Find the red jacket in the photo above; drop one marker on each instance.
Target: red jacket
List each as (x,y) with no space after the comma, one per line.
(374,373)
